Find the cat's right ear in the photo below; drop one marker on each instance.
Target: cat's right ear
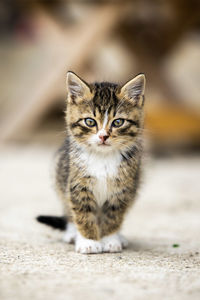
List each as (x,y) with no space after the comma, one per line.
(77,89)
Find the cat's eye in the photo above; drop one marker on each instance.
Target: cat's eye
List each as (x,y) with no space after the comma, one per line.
(90,122)
(118,122)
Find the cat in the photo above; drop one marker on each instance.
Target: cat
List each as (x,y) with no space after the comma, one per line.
(98,166)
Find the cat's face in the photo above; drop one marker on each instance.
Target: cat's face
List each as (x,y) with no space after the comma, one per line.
(104,117)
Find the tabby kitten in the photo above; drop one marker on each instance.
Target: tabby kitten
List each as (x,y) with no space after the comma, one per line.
(98,166)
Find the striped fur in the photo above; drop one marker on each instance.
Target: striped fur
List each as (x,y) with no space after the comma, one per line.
(98,182)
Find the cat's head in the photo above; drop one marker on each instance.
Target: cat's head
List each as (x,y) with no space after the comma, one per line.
(105,117)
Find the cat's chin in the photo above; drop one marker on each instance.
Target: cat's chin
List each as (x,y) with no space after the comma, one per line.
(103,145)
(102,148)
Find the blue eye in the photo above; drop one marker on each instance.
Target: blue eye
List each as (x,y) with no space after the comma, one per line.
(118,122)
(90,122)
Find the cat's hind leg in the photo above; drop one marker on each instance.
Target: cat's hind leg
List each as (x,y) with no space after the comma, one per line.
(70,233)
(123,240)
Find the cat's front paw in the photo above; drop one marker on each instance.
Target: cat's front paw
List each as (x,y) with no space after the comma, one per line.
(111,243)
(87,246)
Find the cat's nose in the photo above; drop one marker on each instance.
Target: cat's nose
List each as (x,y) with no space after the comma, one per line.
(103,137)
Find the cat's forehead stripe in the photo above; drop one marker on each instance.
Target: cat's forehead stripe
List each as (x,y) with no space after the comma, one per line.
(105,99)
(105,121)
(104,94)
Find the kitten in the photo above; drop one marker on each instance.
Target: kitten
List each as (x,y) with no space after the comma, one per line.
(98,166)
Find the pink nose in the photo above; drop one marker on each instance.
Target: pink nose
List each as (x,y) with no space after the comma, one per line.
(103,137)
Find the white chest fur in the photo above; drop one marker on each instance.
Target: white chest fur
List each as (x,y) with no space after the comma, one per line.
(101,167)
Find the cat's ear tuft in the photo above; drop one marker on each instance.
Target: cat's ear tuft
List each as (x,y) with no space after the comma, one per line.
(134,89)
(76,87)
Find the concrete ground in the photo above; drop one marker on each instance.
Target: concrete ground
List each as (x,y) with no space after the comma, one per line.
(35,264)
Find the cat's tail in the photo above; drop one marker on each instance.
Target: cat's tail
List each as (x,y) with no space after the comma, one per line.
(55,222)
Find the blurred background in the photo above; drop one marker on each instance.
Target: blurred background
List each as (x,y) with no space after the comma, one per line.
(100,40)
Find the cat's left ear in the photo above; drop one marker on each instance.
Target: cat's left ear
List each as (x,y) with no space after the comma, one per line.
(76,87)
(134,90)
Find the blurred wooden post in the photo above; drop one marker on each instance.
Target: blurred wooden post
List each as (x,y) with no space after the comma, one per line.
(77,44)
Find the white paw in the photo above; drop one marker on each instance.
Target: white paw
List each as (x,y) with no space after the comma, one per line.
(111,243)
(70,234)
(86,246)
(123,240)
